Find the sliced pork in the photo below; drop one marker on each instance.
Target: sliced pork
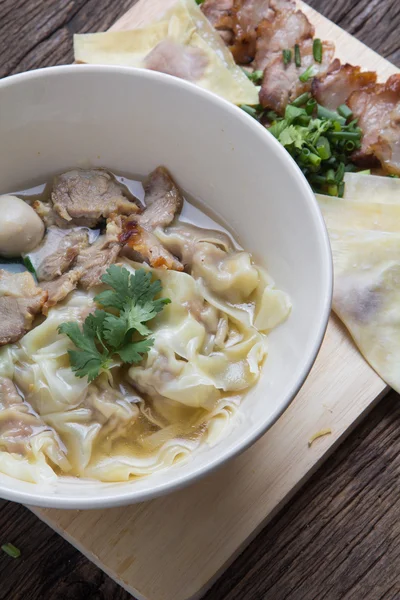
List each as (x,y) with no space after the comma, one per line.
(59,288)
(287,28)
(334,87)
(85,197)
(378,111)
(144,246)
(163,202)
(220,15)
(63,255)
(20,301)
(94,261)
(281,83)
(162,198)
(247,16)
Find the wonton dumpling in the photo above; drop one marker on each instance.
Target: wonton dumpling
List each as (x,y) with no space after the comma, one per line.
(182,43)
(365,242)
(367,296)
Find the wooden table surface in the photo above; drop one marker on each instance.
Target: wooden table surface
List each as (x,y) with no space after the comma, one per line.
(339,538)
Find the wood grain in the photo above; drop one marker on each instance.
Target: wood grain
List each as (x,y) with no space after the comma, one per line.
(319,529)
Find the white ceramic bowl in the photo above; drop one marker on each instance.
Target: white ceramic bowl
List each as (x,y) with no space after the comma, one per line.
(132,121)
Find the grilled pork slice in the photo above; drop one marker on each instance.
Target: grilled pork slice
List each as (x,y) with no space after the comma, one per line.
(287,28)
(85,197)
(378,111)
(20,301)
(334,87)
(90,265)
(64,252)
(59,288)
(94,261)
(238,21)
(281,83)
(219,13)
(162,198)
(144,246)
(163,202)
(247,16)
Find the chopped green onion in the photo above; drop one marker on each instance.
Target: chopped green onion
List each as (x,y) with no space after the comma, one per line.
(330,176)
(300,100)
(323,147)
(340,173)
(350,145)
(255,76)
(318,179)
(393,175)
(28,264)
(345,112)
(325,113)
(250,110)
(305,153)
(317,50)
(332,190)
(308,73)
(344,135)
(199,2)
(297,55)
(11,550)
(314,159)
(341,189)
(311,104)
(286,56)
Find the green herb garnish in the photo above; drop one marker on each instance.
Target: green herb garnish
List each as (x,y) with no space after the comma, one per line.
(28,264)
(286,56)
(105,335)
(308,73)
(320,142)
(255,76)
(317,50)
(345,112)
(297,55)
(11,550)
(199,2)
(250,110)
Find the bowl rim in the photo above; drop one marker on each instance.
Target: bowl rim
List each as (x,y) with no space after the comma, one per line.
(115,498)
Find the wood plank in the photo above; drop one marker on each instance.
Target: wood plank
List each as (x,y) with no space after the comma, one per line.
(158,558)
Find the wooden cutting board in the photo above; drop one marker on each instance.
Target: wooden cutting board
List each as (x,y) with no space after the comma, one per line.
(173,548)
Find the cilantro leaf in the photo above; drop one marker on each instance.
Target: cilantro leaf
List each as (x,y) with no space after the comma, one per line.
(83,363)
(119,279)
(133,352)
(106,334)
(88,360)
(115,330)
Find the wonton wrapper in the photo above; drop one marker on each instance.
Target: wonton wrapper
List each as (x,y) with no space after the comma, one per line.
(185,26)
(365,241)
(372,188)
